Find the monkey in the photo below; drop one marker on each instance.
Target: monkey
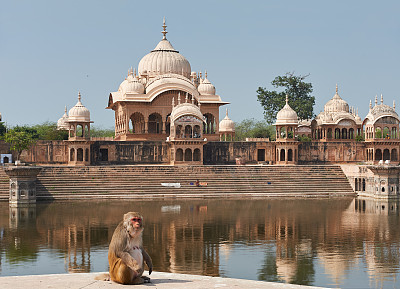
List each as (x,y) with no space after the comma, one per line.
(126,255)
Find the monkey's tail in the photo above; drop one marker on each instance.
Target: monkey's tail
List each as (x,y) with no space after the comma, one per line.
(103,277)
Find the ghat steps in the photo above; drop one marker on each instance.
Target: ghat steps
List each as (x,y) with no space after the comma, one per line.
(64,182)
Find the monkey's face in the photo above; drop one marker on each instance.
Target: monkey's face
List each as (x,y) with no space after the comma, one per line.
(134,223)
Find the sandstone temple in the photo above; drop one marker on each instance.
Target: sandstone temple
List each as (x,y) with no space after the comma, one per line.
(167,114)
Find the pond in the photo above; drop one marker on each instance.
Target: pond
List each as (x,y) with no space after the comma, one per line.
(339,242)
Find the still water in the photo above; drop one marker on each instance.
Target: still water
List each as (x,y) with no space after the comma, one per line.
(337,242)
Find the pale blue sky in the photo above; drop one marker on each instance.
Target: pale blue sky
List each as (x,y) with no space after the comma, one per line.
(50,50)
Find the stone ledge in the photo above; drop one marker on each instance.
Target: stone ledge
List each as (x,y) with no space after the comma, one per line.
(159,280)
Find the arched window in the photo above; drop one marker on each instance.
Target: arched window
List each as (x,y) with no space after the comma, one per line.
(344,133)
(155,123)
(188,131)
(386,133)
(337,133)
(386,154)
(179,155)
(378,155)
(290,155)
(393,156)
(79,155)
(136,123)
(282,133)
(196,155)
(79,130)
(72,155)
(351,133)
(197,131)
(378,132)
(282,155)
(188,155)
(178,132)
(209,127)
(329,133)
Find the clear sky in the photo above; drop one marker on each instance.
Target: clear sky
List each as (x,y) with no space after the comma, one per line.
(50,50)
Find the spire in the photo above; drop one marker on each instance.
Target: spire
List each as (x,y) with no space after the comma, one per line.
(164,32)
(287,99)
(376,99)
(381,98)
(370,104)
(65,110)
(79,96)
(394,104)
(205,73)
(134,72)
(336,89)
(226,112)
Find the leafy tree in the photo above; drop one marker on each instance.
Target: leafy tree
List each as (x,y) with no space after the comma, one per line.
(3,128)
(252,128)
(101,132)
(19,140)
(49,131)
(299,93)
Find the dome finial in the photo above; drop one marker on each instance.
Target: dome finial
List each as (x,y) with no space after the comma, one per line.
(287,99)
(205,73)
(394,104)
(164,32)
(370,104)
(134,72)
(381,98)
(79,96)
(226,111)
(376,99)
(336,89)
(65,110)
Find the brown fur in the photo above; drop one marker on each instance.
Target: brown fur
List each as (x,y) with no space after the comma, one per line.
(127,237)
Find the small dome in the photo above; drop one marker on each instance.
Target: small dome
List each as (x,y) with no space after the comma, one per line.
(336,104)
(381,110)
(164,59)
(184,109)
(131,84)
(286,115)
(79,113)
(62,123)
(205,87)
(227,125)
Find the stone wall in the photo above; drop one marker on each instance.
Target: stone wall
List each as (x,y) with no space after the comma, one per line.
(47,152)
(226,153)
(129,152)
(331,152)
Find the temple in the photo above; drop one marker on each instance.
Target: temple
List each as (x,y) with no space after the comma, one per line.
(167,114)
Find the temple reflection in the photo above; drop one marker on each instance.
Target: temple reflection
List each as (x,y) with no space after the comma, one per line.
(294,237)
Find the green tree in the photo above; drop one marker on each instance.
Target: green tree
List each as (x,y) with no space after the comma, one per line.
(49,131)
(19,140)
(3,128)
(101,132)
(299,93)
(249,128)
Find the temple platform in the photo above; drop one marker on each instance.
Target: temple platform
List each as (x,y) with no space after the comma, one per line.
(159,280)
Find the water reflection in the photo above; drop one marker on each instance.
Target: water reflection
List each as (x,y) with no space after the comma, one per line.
(323,242)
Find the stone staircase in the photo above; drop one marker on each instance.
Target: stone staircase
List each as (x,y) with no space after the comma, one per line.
(64,182)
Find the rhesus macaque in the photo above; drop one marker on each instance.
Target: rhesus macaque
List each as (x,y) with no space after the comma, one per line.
(126,255)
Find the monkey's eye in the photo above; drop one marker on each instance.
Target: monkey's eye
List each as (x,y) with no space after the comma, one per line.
(136,219)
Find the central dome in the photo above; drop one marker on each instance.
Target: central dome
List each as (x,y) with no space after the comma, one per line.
(164,59)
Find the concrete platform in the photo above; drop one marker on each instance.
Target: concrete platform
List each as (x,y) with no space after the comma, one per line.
(159,280)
